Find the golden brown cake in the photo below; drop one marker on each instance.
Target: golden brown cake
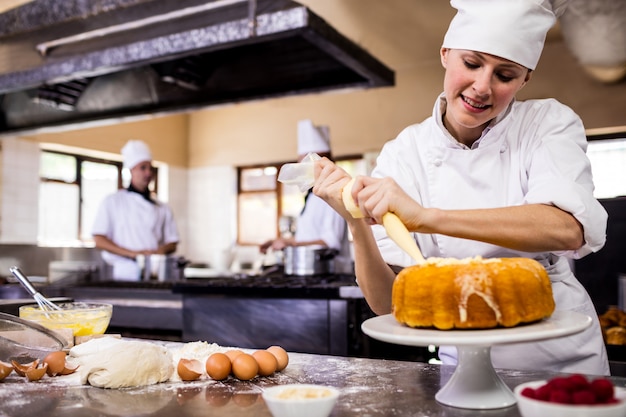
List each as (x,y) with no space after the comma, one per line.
(472,293)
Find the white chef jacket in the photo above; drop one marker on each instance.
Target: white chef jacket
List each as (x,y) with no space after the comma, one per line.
(533,153)
(319,221)
(129,220)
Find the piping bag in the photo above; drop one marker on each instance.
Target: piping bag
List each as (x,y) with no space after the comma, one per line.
(302,175)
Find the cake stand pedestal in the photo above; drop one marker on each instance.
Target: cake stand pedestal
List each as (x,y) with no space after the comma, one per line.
(475,383)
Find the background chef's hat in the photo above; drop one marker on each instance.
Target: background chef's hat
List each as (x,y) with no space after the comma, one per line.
(511,29)
(312,138)
(134,152)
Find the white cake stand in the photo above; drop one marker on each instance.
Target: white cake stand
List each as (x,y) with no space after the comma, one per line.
(474,383)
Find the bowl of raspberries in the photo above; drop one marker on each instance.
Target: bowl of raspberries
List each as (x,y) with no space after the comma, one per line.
(572,396)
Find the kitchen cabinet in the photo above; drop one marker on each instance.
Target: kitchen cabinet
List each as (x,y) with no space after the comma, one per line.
(309,314)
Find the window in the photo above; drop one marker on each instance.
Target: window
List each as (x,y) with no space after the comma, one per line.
(71,189)
(258,203)
(70,192)
(267,208)
(608,163)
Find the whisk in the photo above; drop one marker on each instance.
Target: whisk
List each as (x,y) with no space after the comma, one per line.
(43,303)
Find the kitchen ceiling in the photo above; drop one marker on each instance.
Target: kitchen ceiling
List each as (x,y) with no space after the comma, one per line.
(410,32)
(209,57)
(70,63)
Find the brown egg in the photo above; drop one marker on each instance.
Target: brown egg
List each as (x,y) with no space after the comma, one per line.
(267,362)
(232,354)
(5,369)
(218,366)
(245,367)
(281,356)
(55,362)
(36,373)
(189,369)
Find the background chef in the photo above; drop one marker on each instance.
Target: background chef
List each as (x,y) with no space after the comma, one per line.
(318,223)
(132,221)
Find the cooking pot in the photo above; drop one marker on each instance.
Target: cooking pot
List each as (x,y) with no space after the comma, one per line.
(309,260)
(161,267)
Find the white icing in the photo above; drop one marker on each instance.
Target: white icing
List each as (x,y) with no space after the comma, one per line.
(454,261)
(479,284)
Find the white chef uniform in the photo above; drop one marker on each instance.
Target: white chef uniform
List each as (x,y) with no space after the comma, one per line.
(131,221)
(319,221)
(532,153)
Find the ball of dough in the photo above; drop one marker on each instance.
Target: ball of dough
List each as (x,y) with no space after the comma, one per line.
(113,363)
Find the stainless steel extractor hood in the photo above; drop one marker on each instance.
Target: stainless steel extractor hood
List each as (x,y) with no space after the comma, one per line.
(66,63)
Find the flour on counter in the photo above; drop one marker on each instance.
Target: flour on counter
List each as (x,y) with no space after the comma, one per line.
(193,350)
(109,362)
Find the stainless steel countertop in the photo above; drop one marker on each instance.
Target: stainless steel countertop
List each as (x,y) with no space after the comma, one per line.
(370,387)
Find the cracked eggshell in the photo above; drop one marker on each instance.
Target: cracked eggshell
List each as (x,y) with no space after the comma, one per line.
(189,369)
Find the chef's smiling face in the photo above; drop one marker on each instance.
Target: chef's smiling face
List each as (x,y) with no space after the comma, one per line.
(141,175)
(478,87)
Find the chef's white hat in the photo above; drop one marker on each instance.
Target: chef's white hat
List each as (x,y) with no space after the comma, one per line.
(312,138)
(510,29)
(134,152)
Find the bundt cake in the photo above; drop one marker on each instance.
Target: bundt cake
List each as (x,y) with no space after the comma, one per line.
(472,293)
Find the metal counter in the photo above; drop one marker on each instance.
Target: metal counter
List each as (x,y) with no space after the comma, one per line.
(370,387)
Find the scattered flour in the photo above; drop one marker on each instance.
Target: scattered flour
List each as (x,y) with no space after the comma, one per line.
(193,350)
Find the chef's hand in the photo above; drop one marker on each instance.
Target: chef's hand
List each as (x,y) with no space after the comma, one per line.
(276,244)
(329,182)
(377,196)
(374,196)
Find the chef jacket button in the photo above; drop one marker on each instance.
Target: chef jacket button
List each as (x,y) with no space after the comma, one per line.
(437,162)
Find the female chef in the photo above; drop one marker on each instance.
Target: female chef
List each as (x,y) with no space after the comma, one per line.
(488,176)
(131,221)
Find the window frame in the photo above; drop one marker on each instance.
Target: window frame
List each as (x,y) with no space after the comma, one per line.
(78,181)
(277,190)
(599,137)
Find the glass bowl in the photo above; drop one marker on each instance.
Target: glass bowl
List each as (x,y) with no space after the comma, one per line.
(530,407)
(84,319)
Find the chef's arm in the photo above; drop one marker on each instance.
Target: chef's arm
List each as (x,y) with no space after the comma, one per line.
(373,275)
(282,242)
(104,243)
(167,248)
(529,228)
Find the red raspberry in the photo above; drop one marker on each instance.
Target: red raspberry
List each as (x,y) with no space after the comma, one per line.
(603,389)
(529,392)
(543,393)
(560,396)
(578,382)
(583,397)
(561,383)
